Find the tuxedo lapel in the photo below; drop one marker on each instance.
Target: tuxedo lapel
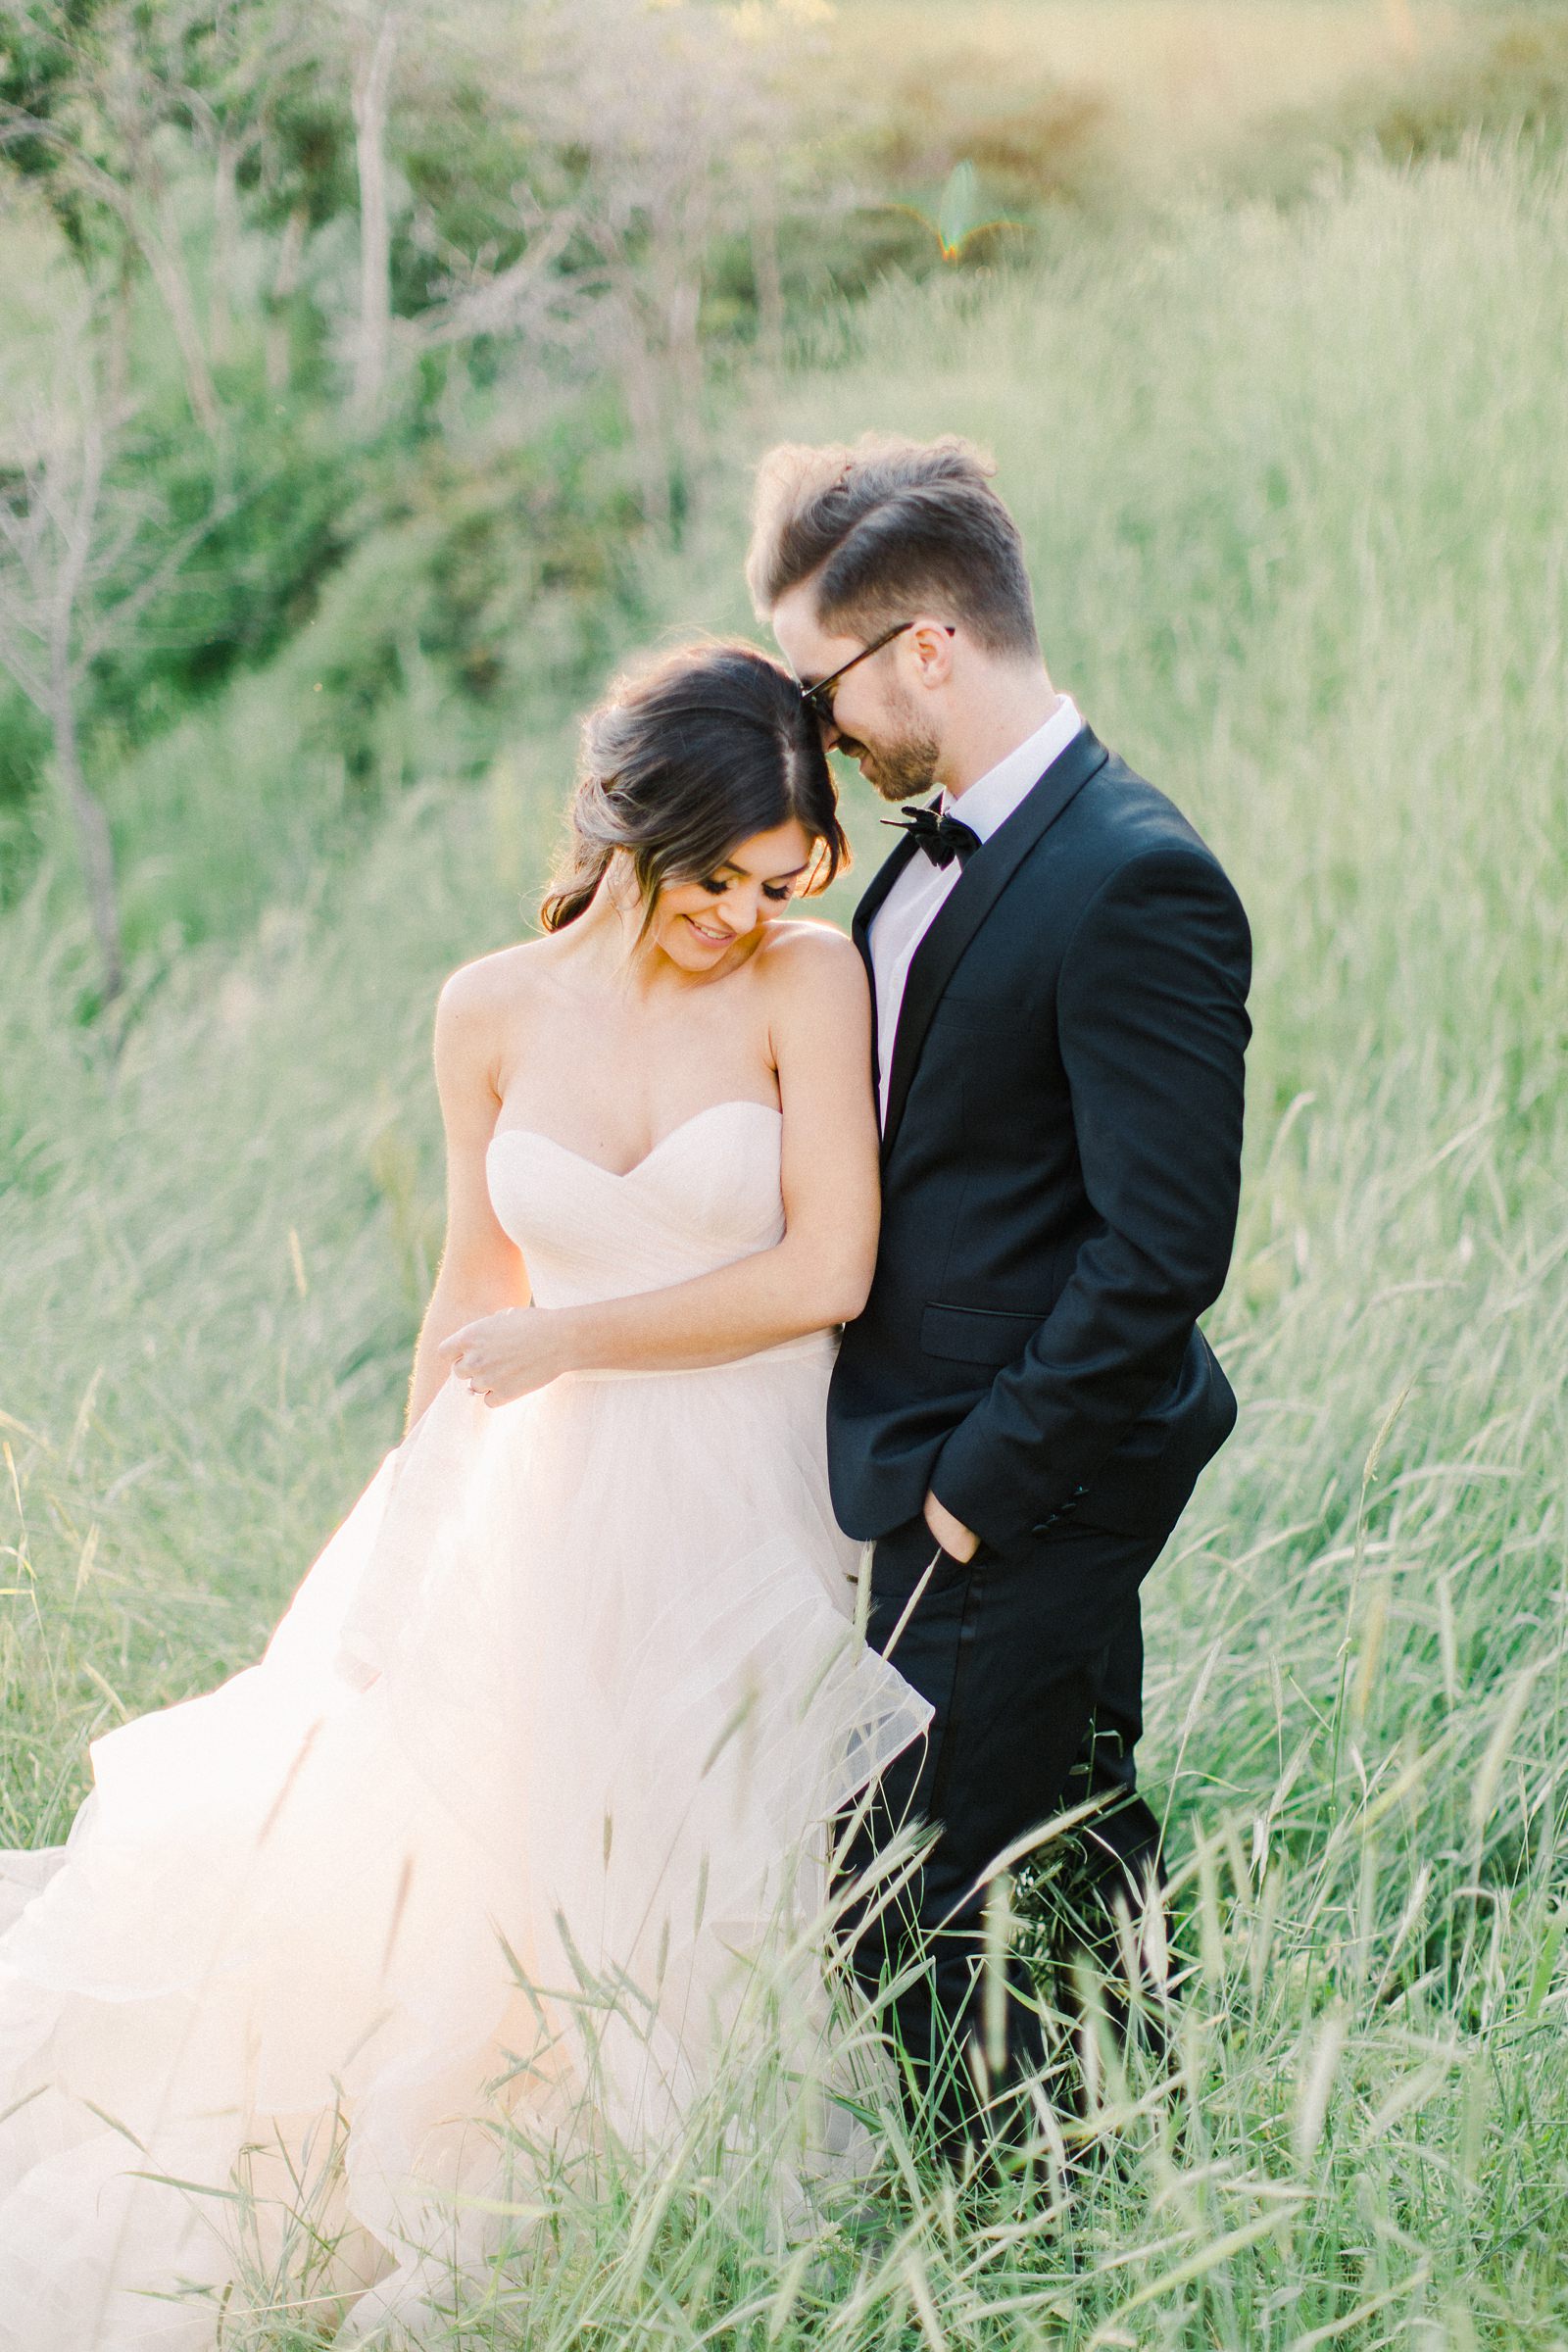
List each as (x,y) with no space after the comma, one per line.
(881,882)
(876,890)
(986,875)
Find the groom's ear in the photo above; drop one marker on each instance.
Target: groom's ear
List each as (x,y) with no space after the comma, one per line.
(931,645)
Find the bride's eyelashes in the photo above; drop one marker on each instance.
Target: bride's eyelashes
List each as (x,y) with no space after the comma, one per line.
(780,893)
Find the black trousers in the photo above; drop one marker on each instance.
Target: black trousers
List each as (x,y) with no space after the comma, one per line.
(1033,1663)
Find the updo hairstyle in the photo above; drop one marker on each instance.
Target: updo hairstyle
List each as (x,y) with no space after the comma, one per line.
(681,762)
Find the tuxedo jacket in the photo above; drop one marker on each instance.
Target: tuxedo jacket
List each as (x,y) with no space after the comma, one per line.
(1060,1167)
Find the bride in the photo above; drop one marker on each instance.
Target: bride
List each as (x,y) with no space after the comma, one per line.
(491,1851)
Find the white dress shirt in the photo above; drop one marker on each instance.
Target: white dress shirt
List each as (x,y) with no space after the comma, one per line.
(911,906)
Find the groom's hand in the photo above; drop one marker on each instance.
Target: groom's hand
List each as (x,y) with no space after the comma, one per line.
(960,1543)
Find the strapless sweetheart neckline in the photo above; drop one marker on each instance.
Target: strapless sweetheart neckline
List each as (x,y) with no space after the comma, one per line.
(621,1175)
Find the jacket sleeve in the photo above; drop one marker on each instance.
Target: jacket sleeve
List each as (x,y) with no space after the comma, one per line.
(1152,1027)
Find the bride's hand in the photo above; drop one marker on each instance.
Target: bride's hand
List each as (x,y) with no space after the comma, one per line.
(508,1355)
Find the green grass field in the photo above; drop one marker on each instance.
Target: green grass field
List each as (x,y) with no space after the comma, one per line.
(1295,486)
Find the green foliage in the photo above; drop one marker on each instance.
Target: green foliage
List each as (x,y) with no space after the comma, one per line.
(477,599)
(1511,81)
(1030,138)
(257,574)
(487,523)
(1292,485)
(37,71)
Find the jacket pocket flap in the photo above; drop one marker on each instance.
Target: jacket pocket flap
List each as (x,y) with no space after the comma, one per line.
(976,1335)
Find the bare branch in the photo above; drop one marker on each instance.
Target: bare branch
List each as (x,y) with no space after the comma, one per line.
(156,244)
(373,342)
(80,562)
(528,297)
(115,622)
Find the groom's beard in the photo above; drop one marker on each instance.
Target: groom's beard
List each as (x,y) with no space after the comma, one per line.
(899,768)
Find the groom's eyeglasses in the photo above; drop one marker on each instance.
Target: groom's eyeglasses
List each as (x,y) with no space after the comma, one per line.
(820,698)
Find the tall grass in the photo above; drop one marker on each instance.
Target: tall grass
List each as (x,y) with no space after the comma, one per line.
(1293,487)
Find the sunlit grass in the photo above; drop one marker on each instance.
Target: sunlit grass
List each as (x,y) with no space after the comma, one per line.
(1172,84)
(1293,488)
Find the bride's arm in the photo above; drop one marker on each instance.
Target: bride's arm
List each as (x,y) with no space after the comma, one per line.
(821,1272)
(481,1267)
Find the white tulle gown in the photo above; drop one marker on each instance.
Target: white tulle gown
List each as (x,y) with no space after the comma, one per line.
(575,1680)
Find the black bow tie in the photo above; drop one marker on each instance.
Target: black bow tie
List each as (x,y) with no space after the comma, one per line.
(942,837)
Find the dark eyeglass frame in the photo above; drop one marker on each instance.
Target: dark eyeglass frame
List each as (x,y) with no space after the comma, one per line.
(810,694)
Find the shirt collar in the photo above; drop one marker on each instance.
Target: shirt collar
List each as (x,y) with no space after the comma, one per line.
(991,798)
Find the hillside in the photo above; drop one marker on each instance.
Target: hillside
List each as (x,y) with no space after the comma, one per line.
(1293,481)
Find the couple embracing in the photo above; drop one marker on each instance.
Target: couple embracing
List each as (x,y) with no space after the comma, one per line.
(675,1610)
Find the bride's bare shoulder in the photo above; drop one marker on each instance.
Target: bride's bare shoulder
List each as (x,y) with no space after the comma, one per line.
(480,1002)
(789,939)
(813,961)
(496,979)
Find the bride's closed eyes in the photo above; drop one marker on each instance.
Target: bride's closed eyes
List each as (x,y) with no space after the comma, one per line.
(780,893)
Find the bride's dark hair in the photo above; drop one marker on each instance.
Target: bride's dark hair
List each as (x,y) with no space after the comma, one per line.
(681,761)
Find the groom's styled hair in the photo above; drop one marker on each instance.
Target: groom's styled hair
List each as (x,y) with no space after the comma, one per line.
(888,527)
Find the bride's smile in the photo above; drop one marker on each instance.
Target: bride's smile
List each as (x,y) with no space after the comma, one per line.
(722,912)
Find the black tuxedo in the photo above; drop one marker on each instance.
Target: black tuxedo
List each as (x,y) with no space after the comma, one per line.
(1060,1172)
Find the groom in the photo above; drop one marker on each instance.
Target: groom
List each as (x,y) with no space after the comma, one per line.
(1059,969)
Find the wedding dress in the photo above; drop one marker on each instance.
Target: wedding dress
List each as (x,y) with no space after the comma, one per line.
(530,1780)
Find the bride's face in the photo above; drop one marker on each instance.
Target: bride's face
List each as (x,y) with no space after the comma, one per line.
(698,924)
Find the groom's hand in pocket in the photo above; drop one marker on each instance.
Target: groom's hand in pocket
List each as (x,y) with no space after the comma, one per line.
(960,1543)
